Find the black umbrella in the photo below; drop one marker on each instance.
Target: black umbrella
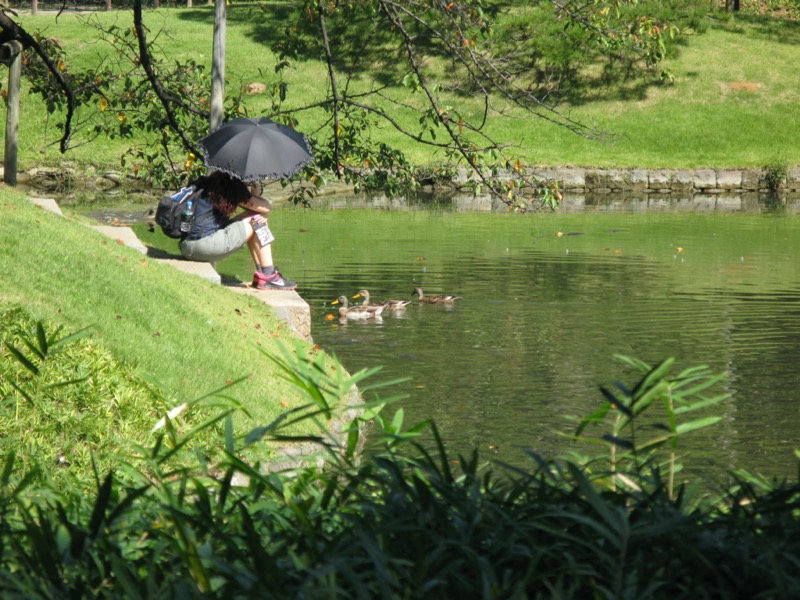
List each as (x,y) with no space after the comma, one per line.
(256,149)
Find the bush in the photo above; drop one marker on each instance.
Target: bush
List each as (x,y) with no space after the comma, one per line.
(402,523)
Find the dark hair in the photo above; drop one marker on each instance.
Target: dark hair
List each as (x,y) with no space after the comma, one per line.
(224,191)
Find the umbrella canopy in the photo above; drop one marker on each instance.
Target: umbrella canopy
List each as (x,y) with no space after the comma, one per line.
(256,149)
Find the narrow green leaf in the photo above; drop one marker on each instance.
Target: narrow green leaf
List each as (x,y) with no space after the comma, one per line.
(22,360)
(701,404)
(59,344)
(41,336)
(100,505)
(618,441)
(697,424)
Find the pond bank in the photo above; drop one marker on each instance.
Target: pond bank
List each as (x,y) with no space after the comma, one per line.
(583,188)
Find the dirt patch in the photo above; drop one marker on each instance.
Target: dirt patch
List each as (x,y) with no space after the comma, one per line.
(744,86)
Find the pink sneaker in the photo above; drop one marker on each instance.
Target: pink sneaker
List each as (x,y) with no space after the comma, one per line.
(276,281)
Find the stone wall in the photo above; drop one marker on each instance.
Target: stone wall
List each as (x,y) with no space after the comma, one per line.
(683,181)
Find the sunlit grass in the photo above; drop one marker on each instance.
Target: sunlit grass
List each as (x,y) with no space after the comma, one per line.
(192,336)
(695,120)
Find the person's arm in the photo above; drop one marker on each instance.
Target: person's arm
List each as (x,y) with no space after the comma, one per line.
(257,204)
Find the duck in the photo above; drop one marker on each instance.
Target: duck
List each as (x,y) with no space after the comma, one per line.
(357,312)
(435,299)
(388,305)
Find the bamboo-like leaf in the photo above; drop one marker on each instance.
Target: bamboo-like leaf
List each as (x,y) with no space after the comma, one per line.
(21,359)
(612,518)
(656,441)
(616,403)
(229,436)
(701,404)
(618,441)
(57,345)
(100,505)
(8,468)
(24,394)
(697,424)
(41,336)
(655,375)
(596,417)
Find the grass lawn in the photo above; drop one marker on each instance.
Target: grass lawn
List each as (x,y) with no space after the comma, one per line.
(733,101)
(192,336)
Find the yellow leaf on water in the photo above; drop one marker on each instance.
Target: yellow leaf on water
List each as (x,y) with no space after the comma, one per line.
(103,104)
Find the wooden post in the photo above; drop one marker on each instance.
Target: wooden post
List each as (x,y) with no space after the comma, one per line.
(10,55)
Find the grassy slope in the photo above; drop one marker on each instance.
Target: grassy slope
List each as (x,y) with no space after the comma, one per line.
(189,334)
(697,121)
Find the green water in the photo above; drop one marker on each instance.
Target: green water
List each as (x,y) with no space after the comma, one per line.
(548,299)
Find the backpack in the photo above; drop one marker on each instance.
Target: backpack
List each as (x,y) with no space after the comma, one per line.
(169,209)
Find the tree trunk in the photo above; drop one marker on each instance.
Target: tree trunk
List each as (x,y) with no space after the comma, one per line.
(218,65)
(10,55)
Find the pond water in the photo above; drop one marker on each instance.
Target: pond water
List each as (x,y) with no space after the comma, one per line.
(547,301)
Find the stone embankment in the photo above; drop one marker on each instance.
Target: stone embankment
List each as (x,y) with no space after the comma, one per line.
(661,181)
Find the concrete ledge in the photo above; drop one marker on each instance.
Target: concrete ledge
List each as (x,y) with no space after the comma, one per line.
(288,306)
(201,269)
(124,235)
(47,204)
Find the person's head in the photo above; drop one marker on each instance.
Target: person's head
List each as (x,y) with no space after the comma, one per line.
(225,191)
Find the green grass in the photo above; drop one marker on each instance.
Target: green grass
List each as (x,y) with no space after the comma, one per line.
(698,120)
(192,336)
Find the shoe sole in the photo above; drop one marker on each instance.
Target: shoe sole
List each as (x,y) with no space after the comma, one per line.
(267,288)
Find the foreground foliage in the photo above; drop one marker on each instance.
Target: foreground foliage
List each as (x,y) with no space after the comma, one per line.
(403,522)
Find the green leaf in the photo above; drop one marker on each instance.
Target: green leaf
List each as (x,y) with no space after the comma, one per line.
(22,360)
(696,424)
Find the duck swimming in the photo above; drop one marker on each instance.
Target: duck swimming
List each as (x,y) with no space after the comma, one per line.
(388,305)
(435,299)
(358,311)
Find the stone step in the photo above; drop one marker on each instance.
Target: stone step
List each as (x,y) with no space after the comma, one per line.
(288,306)
(201,269)
(47,204)
(123,235)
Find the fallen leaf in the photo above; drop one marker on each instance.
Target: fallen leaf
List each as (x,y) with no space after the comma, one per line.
(559,233)
(257,325)
(329,317)
(679,249)
(156,333)
(420,258)
(303,230)
(284,404)
(617,251)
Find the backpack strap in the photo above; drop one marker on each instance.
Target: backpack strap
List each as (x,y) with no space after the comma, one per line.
(192,193)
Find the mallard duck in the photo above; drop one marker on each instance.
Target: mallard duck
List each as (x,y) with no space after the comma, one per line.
(357,312)
(435,299)
(388,305)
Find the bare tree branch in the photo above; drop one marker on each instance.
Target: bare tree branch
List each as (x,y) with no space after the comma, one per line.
(167,100)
